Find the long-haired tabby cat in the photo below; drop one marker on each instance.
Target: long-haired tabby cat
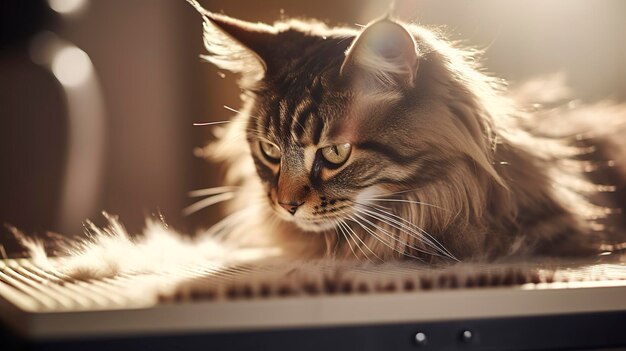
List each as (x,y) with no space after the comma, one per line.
(388,142)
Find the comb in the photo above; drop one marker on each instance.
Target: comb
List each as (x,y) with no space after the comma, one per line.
(316,305)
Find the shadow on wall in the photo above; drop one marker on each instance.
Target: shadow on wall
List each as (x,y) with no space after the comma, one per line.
(136,158)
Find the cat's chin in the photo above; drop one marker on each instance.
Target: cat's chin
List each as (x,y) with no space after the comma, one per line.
(314,226)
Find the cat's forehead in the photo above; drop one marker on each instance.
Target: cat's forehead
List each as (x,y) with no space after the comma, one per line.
(300,110)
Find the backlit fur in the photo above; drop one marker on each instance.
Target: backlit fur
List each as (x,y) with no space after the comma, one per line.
(445,165)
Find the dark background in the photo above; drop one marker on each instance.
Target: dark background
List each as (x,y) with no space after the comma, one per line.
(153,86)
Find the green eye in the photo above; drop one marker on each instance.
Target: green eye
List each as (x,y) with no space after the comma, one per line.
(271,151)
(337,154)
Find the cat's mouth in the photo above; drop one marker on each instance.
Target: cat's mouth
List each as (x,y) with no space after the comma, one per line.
(315,220)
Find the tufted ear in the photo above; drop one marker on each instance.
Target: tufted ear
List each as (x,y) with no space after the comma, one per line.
(236,45)
(384,54)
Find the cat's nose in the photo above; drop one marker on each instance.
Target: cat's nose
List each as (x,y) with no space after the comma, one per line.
(291,206)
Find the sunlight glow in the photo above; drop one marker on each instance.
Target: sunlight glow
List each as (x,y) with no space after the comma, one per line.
(67,6)
(71,66)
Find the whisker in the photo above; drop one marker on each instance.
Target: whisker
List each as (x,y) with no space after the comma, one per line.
(372,233)
(354,237)
(429,240)
(411,227)
(407,201)
(384,242)
(438,252)
(257,118)
(336,244)
(345,237)
(198,124)
(345,229)
(231,109)
(207,202)
(397,192)
(386,232)
(213,191)
(343,222)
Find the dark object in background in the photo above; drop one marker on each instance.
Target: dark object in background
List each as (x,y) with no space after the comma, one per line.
(21,20)
(153,92)
(33,124)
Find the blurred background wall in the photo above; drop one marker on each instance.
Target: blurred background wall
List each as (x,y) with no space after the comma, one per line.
(150,86)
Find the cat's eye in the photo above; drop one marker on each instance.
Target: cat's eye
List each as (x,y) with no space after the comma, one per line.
(337,154)
(271,151)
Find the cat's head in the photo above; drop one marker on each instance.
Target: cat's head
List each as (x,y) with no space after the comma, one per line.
(337,116)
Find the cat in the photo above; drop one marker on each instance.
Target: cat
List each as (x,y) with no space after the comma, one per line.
(388,142)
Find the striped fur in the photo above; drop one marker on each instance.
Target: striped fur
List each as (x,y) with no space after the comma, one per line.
(444,165)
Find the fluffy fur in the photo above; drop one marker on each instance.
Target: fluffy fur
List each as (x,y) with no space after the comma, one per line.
(446,164)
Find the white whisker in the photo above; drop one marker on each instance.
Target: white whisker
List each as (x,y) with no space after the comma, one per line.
(231,109)
(430,240)
(343,223)
(407,201)
(438,251)
(198,124)
(207,202)
(386,232)
(355,242)
(422,235)
(213,191)
(345,237)
(384,242)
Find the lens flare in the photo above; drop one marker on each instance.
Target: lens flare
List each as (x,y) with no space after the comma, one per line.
(67,6)
(71,66)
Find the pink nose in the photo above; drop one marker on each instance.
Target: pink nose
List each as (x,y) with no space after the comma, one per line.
(290,206)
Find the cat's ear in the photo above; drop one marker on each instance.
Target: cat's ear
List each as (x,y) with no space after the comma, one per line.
(235,45)
(384,54)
